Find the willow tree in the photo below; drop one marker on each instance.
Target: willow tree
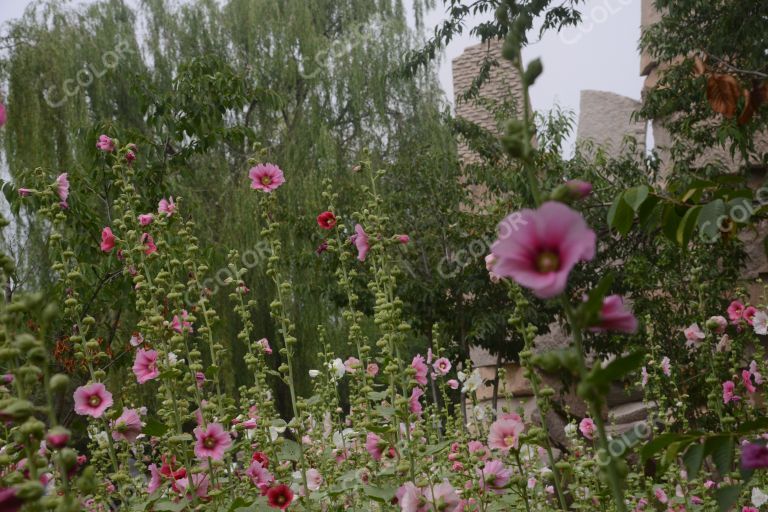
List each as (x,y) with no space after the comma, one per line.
(200,86)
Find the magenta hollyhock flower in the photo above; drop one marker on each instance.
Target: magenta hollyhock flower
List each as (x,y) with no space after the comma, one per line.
(145,365)
(260,476)
(105,144)
(360,239)
(442,366)
(199,484)
(145,219)
(9,501)
(24,192)
(130,157)
(614,316)
(166,206)
(453,384)
(728,395)
(413,402)
(587,428)
(372,369)
(735,311)
(494,475)
(443,497)
(279,496)
(127,427)
(375,446)
(108,239)
(57,438)
(539,248)
(421,369)
(266,177)
(505,432)
(661,495)
(746,378)
(3,115)
(92,400)
(403,239)
(321,248)
(200,379)
(326,220)
(749,313)
(181,324)
(62,188)
(212,441)
(149,244)
(754,456)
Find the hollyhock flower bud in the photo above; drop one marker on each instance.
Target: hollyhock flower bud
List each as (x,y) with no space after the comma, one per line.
(403,239)
(3,115)
(107,240)
(130,156)
(146,219)
(57,438)
(105,144)
(24,192)
(717,324)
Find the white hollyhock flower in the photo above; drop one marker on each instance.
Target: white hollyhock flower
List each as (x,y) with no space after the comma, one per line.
(760,322)
(337,366)
(759,498)
(313,373)
(473,382)
(172,359)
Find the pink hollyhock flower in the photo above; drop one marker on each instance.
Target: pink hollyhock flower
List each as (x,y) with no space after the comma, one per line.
(542,247)
(494,475)
(145,365)
(264,343)
(155,479)
(62,187)
(107,240)
(660,495)
(321,248)
(326,220)
(375,446)
(92,400)
(735,311)
(754,456)
(360,239)
(693,335)
(24,192)
(3,115)
(614,316)
(643,376)
(443,497)
(260,476)
(199,484)
(760,323)
(199,379)
(479,449)
(279,496)
(421,369)
(211,441)
(149,244)
(261,458)
(728,395)
(145,219)
(136,339)
(749,313)
(587,428)
(130,157)
(181,324)
(314,479)
(373,369)
(717,324)
(105,144)
(453,384)
(666,367)
(505,432)
(127,427)
(166,206)
(746,378)
(57,438)
(578,189)
(442,366)
(753,371)
(351,364)
(9,500)
(266,177)
(403,239)
(709,484)
(413,403)
(410,498)
(490,262)
(749,509)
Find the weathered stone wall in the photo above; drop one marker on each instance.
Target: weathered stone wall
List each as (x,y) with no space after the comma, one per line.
(605,118)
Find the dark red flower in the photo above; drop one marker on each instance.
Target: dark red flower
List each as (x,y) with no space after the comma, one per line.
(321,248)
(326,220)
(261,458)
(9,501)
(754,456)
(279,496)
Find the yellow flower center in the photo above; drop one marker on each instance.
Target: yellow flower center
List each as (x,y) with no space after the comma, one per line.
(547,261)
(94,401)
(266,180)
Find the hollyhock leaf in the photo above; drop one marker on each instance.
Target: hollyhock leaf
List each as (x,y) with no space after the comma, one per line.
(170,506)
(154,427)
(635,196)
(659,443)
(726,497)
(290,451)
(686,226)
(617,369)
(670,455)
(437,448)
(385,412)
(693,458)
(380,494)
(753,427)
(211,372)
(709,219)
(377,396)
(721,449)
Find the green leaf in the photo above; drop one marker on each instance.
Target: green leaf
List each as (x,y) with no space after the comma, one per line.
(617,369)
(154,427)
(685,228)
(290,451)
(659,443)
(721,448)
(590,309)
(381,494)
(740,209)
(437,448)
(635,197)
(710,219)
(620,215)
(670,220)
(170,506)
(726,497)
(693,458)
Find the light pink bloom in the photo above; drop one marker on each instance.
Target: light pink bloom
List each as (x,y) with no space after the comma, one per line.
(266,177)
(375,446)
(442,366)
(661,495)
(717,324)
(644,376)
(260,476)
(666,367)
(155,479)
(145,365)
(107,240)
(494,475)
(149,244)
(539,248)
(749,312)
(62,186)
(531,482)
(758,378)
(360,239)
(92,400)
(145,219)
(453,384)
(181,324)
(24,192)
(351,364)
(105,144)
(421,369)
(505,432)
(3,115)
(211,441)
(735,311)
(373,369)
(693,335)
(614,316)
(587,428)
(443,497)
(199,379)
(199,484)
(264,342)
(410,498)
(413,402)
(314,479)
(479,449)
(728,396)
(490,261)
(166,206)
(127,427)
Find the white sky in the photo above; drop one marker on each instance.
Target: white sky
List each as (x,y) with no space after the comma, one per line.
(601,54)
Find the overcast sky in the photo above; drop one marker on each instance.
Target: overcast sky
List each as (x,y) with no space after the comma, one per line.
(601,54)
